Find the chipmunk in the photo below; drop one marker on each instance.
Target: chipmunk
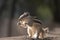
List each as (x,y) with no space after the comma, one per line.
(34,26)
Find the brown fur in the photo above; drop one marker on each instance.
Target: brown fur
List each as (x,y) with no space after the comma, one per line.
(31,26)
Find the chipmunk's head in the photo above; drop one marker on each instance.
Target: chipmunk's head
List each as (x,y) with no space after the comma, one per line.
(24,19)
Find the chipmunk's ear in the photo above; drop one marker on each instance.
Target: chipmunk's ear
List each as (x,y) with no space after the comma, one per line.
(25,14)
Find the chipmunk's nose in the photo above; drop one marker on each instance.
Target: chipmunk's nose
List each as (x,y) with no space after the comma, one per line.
(18,23)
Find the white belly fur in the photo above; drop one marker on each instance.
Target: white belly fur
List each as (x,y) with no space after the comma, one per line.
(35,35)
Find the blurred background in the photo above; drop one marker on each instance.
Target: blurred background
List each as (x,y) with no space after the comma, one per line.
(46,10)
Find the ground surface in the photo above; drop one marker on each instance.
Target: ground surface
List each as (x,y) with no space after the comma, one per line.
(24,37)
(55,29)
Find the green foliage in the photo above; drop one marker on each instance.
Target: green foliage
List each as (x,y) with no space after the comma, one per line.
(44,13)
